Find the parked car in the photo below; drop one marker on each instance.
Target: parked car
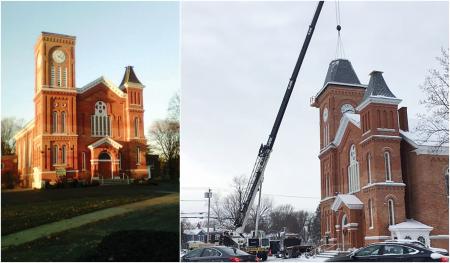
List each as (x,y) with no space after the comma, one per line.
(416,242)
(391,252)
(218,254)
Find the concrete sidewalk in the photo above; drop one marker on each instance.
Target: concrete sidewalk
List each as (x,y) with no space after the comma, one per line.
(34,233)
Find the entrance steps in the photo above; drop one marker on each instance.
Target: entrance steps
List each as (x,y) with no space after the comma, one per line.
(328,254)
(114,181)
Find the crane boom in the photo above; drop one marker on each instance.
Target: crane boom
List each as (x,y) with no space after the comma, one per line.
(257,175)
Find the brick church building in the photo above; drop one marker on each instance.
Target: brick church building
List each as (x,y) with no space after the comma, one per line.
(93,132)
(378,181)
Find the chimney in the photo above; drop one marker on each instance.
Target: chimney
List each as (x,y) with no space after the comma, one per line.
(403,118)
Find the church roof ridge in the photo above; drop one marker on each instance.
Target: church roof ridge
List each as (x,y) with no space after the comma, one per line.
(104,80)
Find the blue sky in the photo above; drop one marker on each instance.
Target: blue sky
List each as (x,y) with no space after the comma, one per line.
(110,36)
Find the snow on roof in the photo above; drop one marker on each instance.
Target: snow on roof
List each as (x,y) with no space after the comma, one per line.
(410,224)
(346,118)
(193,232)
(351,201)
(424,147)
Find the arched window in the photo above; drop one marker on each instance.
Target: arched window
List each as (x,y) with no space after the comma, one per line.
(138,155)
(100,121)
(55,154)
(63,154)
(58,75)
(369,168)
(52,75)
(136,127)
(83,161)
(353,171)
(387,166)
(391,212)
(55,122)
(120,161)
(408,238)
(446,180)
(370,214)
(64,77)
(63,122)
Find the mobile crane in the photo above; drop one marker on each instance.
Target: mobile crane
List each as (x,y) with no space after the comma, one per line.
(257,175)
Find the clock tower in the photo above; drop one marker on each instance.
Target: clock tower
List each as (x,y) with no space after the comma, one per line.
(56,103)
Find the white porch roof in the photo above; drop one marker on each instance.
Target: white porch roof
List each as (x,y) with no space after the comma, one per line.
(107,140)
(410,224)
(351,201)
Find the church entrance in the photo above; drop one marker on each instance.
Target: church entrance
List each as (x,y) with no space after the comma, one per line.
(105,165)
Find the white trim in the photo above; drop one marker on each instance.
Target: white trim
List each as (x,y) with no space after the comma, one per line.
(343,126)
(383,184)
(327,198)
(57,88)
(133,85)
(381,136)
(432,150)
(340,200)
(438,237)
(339,84)
(367,132)
(378,99)
(385,130)
(108,140)
(106,82)
(377,237)
(25,129)
(328,147)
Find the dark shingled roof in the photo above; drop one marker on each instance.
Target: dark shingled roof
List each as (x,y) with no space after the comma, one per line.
(129,77)
(341,70)
(377,86)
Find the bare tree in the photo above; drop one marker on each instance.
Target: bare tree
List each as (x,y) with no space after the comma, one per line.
(433,126)
(174,107)
(264,215)
(226,209)
(165,135)
(10,126)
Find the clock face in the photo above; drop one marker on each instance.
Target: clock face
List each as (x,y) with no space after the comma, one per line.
(59,56)
(325,115)
(347,108)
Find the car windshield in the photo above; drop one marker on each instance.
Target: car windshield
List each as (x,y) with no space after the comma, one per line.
(233,251)
(194,253)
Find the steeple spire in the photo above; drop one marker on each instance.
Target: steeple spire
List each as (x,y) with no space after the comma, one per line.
(129,77)
(377,86)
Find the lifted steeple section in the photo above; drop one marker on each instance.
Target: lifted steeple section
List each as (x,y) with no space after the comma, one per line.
(130,79)
(341,71)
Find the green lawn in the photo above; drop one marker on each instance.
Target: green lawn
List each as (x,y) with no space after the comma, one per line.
(22,210)
(77,244)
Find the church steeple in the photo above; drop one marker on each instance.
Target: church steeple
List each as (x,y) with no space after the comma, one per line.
(377,86)
(130,79)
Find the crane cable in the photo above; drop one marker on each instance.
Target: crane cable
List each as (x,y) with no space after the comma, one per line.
(340,52)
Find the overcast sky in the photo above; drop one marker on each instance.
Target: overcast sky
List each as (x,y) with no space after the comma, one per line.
(110,36)
(237,58)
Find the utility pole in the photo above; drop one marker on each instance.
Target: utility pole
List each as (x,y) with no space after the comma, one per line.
(208,195)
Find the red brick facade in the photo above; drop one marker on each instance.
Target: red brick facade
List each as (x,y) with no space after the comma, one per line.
(96,131)
(365,154)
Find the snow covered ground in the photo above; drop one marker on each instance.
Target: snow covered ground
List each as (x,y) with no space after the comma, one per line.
(299,259)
